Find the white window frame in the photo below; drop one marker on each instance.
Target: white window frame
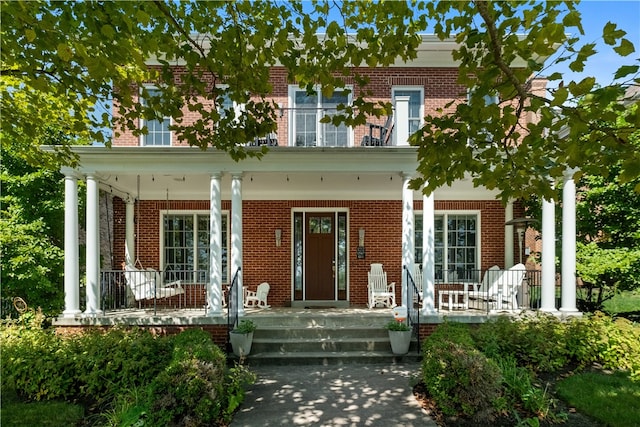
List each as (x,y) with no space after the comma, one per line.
(419,89)
(196,214)
(319,114)
(444,214)
(237,108)
(143,138)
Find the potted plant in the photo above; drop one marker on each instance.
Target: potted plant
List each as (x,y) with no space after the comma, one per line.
(242,337)
(399,336)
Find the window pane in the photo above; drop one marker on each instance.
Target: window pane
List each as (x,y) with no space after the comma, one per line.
(305,108)
(297,248)
(158,129)
(186,247)
(326,225)
(415,106)
(342,251)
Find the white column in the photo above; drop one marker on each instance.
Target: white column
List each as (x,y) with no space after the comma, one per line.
(401,119)
(568,302)
(93,248)
(548,291)
(214,291)
(407,237)
(508,236)
(428,255)
(130,238)
(236,237)
(71,259)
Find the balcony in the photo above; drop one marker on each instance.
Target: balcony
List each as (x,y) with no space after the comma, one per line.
(303,127)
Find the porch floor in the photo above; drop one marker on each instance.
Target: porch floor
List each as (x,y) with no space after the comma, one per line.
(182,317)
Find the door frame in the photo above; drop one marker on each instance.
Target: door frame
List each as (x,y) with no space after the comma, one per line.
(305,211)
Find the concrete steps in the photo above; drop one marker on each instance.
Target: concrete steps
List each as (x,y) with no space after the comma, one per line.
(323,338)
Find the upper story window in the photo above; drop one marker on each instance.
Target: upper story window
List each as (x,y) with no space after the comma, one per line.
(158,133)
(457,244)
(306,130)
(416,105)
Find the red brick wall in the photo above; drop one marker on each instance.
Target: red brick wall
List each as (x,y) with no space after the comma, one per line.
(264,262)
(440,87)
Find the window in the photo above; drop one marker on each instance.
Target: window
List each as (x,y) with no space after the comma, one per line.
(416,105)
(186,247)
(158,130)
(456,245)
(308,110)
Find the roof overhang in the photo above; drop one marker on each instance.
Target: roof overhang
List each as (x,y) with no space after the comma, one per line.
(284,173)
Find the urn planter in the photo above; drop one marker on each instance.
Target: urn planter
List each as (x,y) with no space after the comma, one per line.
(400,341)
(399,336)
(242,337)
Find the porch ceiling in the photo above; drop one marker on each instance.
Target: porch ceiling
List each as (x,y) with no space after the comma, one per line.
(284,173)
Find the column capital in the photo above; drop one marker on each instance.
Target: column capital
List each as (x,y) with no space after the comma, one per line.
(569,173)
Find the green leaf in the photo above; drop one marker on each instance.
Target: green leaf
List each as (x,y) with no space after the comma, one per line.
(625,48)
(64,52)
(625,70)
(108,31)
(30,35)
(610,33)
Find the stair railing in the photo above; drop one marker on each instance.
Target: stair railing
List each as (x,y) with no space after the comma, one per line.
(232,307)
(413,316)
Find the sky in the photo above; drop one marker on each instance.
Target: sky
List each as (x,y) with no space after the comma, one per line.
(595,15)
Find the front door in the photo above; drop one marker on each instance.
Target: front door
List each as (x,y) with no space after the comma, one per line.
(320,256)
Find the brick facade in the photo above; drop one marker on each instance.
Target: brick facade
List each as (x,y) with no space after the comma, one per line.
(263,261)
(439,85)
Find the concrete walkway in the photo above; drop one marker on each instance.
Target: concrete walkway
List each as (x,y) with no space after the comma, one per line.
(342,395)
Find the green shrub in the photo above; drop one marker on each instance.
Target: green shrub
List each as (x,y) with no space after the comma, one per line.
(34,360)
(460,379)
(190,391)
(108,362)
(521,390)
(536,342)
(238,377)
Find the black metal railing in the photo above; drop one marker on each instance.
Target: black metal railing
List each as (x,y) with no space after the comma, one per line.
(308,127)
(148,288)
(232,307)
(487,290)
(412,297)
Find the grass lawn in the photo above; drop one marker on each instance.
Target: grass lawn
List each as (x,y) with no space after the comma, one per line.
(611,398)
(626,302)
(15,413)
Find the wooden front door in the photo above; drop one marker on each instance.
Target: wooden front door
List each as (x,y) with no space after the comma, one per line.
(320,256)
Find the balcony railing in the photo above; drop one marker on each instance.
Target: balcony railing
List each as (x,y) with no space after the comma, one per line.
(303,127)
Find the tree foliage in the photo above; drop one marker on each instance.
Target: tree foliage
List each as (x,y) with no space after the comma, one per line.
(31,233)
(490,143)
(88,53)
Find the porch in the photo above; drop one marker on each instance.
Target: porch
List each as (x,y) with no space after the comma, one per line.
(142,293)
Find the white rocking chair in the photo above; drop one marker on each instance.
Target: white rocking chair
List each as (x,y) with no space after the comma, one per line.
(380,292)
(257,299)
(145,284)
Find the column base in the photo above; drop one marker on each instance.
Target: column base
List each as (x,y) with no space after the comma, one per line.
(549,310)
(71,313)
(431,311)
(570,312)
(95,313)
